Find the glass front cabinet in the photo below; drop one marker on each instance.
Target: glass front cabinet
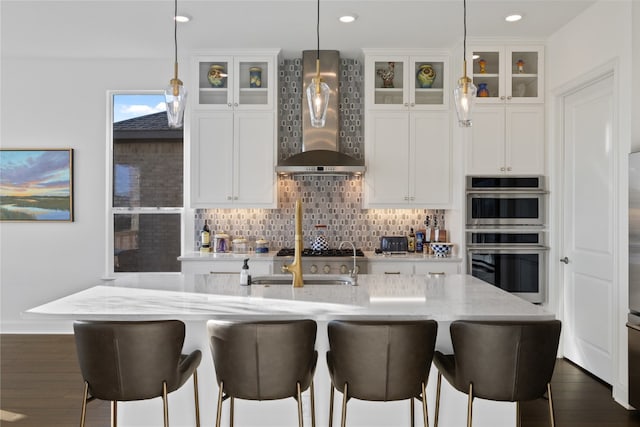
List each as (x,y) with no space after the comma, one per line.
(507,73)
(399,82)
(240,82)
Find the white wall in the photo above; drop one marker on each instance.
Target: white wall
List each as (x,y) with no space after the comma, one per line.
(52,103)
(599,38)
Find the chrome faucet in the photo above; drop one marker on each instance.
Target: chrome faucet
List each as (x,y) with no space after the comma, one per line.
(295,268)
(354,272)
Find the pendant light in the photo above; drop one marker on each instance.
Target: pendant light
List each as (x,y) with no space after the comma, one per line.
(175,94)
(318,92)
(465,92)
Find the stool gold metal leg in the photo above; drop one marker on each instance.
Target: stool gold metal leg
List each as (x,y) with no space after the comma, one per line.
(114,413)
(470,406)
(439,384)
(331,395)
(299,395)
(165,404)
(232,412)
(412,412)
(344,406)
(551,412)
(313,405)
(219,409)
(425,413)
(83,414)
(517,414)
(195,396)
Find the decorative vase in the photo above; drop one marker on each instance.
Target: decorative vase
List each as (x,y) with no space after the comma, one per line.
(520,66)
(483,91)
(386,74)
(483,66)
(217,77)
(255,77)
(426,75)
(320,242)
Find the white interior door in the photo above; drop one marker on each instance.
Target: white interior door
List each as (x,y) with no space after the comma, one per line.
(588,227)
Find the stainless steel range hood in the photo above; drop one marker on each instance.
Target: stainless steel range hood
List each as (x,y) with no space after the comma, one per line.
(320,154)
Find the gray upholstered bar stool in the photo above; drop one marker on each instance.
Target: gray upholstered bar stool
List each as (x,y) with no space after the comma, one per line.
(502,361)
(380,361)
(263,361)
(125,361)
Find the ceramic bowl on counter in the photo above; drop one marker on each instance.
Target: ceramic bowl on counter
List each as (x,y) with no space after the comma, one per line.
(441,249)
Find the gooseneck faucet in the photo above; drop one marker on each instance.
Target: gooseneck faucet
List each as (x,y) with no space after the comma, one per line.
(295,268)
(354,272)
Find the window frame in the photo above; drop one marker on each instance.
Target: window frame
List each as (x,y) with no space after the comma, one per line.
(111,211)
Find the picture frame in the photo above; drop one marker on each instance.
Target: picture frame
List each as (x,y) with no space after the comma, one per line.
(36,184)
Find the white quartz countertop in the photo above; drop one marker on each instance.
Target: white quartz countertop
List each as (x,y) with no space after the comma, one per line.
(270,256)
(200,297)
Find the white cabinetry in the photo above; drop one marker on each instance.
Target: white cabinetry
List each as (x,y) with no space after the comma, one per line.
(234,131)
(407,135)
(508,121)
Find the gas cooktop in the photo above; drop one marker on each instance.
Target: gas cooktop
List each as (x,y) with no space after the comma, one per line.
(321,253)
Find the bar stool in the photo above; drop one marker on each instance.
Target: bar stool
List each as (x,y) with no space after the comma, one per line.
(126,361)
(501,361)
(263,361)
(380,361)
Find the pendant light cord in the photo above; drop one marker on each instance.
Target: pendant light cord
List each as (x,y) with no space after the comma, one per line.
(318,32)
(464,39)
(175,33)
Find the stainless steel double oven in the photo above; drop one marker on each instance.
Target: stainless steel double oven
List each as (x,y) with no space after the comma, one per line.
(505,233)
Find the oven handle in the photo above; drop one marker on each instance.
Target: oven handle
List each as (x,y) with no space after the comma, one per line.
(504,248)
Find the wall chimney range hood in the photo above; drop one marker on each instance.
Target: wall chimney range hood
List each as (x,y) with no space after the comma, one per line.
(320,155)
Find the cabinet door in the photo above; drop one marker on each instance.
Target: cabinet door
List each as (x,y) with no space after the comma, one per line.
(213,88)
(386,82)
(254,82)
(387,148)
(524,72)
(485,150)
(430,159)
(525,153)
(211,158)
(487,72)
(429,87)
(254,154)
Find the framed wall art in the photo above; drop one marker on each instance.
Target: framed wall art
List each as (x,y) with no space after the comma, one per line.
(36,184)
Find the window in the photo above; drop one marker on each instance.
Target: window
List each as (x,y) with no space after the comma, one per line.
(146,186)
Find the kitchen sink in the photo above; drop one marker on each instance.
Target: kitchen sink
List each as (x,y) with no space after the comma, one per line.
(309,279)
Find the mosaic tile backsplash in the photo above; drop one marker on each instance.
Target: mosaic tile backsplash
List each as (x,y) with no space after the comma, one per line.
(334,201)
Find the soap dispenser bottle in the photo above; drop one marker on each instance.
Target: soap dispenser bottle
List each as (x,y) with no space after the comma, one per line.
(245,278)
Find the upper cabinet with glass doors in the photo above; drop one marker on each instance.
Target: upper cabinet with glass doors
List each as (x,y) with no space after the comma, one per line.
(244,82)
(410,80)
(508,74)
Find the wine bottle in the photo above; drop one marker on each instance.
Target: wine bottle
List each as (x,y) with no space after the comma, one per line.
(205,238)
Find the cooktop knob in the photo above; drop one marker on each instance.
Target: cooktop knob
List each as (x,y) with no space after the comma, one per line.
(326,269)
(313,269)
(343,269)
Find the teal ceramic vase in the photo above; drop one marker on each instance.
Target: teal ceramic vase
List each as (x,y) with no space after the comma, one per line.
(217,77)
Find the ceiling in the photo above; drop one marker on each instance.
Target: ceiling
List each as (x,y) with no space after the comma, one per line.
(144,28)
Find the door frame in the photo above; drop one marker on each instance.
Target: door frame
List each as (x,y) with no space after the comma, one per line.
(621,149)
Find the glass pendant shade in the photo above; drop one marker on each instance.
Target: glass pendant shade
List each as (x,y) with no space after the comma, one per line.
(318,98)
(464,95)
(175,96)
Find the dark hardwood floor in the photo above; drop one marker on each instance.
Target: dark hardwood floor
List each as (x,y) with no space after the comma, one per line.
(40,386)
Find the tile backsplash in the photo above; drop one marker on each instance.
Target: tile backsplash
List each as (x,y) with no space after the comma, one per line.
(334,201)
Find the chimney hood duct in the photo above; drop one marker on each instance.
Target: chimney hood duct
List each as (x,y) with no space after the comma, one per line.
(320,155)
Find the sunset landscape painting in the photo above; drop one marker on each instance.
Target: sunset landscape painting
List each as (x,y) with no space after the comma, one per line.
(36,185)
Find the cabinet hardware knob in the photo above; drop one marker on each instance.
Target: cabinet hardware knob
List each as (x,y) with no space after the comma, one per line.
(564,260)
(229,105)
(509,168)
(502,169)
(509,97)
(228,197)
(502,98)
(235,197)
(235,105)
(413,104)
(406,104)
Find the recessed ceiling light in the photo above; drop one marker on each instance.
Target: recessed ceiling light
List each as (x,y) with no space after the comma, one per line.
(513,18)
(183,18)
(348,18)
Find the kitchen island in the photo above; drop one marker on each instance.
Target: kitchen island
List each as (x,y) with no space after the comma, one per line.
(196,298)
